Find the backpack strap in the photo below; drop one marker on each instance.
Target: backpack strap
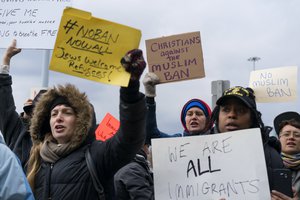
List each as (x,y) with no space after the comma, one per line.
(96,182)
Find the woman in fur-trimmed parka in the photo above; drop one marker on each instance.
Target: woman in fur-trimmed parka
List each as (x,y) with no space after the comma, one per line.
(57,167)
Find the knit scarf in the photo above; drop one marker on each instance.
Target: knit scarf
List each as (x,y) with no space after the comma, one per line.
(291,161)
(51,151)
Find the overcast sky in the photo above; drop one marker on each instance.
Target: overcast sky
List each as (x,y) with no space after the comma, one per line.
(231,32)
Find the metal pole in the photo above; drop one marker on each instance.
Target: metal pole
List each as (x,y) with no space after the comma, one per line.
(254,59)
(45,70)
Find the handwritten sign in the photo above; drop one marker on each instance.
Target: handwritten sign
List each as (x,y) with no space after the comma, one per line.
(274,85)
(91,48)
(107,128)
(227,165)
(176,58)
(30,22)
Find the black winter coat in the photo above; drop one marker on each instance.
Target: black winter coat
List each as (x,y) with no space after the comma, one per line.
(15,132)
(134,181)
(68,178)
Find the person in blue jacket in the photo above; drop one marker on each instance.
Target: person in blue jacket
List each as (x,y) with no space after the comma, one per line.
(195,115)
(13,182)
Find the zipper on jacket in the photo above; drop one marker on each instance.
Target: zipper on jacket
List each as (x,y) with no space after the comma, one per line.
(49,182)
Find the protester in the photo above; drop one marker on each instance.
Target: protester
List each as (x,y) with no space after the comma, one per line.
(135,180)
(13,182)
(11,123)
(236,110)
(287,127)
(195,114)
(62,131)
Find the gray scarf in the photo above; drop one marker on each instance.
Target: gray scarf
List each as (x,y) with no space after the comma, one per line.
(51,151)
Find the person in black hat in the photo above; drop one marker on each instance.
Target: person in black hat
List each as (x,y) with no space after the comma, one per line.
(287,127)
(62,131)
(135,180)
(236,110)
(30,103)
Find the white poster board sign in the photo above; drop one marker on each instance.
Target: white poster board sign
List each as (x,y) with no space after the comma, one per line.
(227,165)
(274,85)
(33,23)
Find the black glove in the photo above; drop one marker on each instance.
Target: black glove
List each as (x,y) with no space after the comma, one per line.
(134,63)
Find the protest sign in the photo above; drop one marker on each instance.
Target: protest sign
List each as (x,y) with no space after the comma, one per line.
(176,58)
(227,165)
(30,22)
(107,128)
(274,85)
(91,48)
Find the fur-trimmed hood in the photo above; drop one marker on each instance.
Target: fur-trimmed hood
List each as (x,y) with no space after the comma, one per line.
(40,122)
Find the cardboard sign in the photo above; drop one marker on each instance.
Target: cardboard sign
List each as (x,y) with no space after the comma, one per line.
(91,48)
(275,85)
(107,128)
(226,165)
(30,22)
(176,58)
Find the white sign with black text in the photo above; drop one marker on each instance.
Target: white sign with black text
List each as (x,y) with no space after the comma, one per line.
(227,165)
(33,23)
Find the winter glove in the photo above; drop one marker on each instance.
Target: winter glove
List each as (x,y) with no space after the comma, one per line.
(134,63)
(150,80)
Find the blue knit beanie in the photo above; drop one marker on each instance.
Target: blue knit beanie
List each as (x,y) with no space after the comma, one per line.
(195,103)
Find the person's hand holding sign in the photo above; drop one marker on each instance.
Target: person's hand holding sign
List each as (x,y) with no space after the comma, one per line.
(150,81)
(134,63)
(279,196)
(10,52)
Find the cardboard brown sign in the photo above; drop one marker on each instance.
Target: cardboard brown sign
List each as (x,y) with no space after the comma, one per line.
(176,57)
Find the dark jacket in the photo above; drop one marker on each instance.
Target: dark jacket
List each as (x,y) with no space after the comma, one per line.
(14,131)
(134,180)
(69,178)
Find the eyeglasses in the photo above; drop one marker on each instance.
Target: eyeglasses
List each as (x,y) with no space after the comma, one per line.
(289,134)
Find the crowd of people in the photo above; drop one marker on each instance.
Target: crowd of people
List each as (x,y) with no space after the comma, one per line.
(52,152)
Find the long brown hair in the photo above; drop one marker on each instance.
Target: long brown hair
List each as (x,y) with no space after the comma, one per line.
(34,164)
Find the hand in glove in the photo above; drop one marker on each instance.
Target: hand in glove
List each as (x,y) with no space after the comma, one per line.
(134,63)
(150,80)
